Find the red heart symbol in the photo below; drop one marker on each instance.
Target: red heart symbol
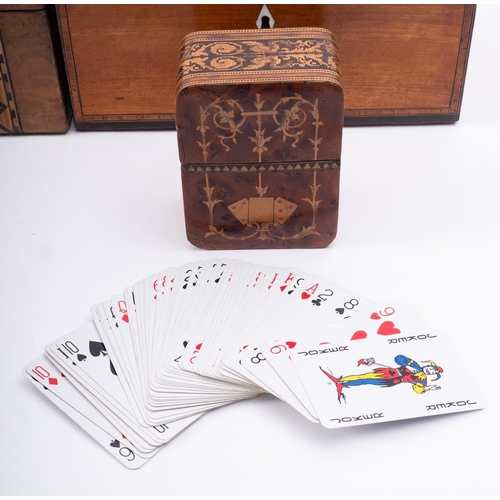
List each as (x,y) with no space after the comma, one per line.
(387,328)
(305,295)
(198,347)
(282,287)
(360,334)
(125,318)
(291,345)
(375,316)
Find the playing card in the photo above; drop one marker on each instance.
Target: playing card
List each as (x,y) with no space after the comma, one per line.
(370,318)
(116,335)
(394,371)
(54,385)
(86,359)
(192,338)
(254,365)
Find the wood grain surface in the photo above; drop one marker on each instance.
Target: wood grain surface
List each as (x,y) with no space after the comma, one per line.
(401,63)
(31,86)
(259,117)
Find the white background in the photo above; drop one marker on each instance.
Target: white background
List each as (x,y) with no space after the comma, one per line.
(85,214)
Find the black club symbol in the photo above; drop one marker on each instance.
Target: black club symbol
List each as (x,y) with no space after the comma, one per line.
(316,302)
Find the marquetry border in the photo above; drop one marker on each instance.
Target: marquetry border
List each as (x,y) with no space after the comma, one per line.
(9,118)
(196,168)
(258,56)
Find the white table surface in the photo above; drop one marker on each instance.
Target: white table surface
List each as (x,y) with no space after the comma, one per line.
(87,213)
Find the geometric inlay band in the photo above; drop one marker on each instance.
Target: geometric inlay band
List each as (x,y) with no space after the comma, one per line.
(9,117)
(261,167)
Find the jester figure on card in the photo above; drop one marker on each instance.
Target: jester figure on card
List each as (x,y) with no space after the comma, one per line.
(408,371)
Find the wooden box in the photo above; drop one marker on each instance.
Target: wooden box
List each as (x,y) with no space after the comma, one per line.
(33,93)
(401,63)
(259,117)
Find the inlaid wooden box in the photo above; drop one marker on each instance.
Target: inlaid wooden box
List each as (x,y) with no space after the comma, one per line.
(259,116)
(401,63)
(33,88)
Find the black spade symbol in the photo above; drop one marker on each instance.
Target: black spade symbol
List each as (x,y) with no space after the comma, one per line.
(340,310)
(112,368)
(115,443)
(97,348)
(81,357)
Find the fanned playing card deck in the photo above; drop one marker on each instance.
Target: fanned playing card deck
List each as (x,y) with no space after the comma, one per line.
(189,339)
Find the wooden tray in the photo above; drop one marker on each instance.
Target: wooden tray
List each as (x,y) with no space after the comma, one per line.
(401,63)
